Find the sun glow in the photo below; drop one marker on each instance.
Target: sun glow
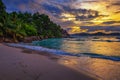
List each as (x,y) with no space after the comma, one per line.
(76,29)
(105,9)
(67,17)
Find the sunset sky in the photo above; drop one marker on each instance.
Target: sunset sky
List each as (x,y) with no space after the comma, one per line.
(75,16)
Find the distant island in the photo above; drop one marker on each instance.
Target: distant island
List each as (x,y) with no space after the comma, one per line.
(26,27)
(96,34)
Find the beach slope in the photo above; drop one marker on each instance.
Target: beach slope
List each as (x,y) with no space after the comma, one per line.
(17,65)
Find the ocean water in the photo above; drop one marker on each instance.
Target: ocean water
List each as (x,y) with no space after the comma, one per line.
(98,56)
(95,47)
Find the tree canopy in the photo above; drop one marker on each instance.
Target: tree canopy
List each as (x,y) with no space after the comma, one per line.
(18,25)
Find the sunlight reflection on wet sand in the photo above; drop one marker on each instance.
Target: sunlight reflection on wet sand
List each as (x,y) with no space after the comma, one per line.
(102,69)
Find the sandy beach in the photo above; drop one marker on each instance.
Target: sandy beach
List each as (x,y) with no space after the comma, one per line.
(17,64)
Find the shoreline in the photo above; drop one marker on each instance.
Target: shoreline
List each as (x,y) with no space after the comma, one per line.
(47,60)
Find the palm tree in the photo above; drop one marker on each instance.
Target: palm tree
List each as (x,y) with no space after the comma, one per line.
(14,25)
(3,17)
(2,7)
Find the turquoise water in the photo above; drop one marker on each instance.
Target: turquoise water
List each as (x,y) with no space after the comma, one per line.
(95,47)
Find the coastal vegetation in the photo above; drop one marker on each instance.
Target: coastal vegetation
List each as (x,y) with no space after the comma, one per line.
(18,26)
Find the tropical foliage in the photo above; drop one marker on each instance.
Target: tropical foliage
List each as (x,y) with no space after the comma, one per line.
(18,25)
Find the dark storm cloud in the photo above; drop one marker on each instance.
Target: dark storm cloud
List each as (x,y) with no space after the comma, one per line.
(89,1)
(116,3)
(52,8)
(106,28)
(85,14)
(117,12)
(111,22)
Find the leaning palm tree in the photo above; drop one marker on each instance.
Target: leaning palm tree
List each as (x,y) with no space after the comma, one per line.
(14,25)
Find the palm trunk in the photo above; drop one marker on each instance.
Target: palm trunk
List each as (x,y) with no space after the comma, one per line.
(14,37)
(4,35)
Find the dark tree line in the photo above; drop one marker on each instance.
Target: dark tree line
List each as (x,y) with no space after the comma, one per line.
(18,25)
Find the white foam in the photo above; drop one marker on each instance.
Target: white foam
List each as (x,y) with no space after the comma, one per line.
(38,48)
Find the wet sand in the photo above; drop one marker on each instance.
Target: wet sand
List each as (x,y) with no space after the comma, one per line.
(15,64)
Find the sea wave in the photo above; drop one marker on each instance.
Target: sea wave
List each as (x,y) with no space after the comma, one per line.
(60,52)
